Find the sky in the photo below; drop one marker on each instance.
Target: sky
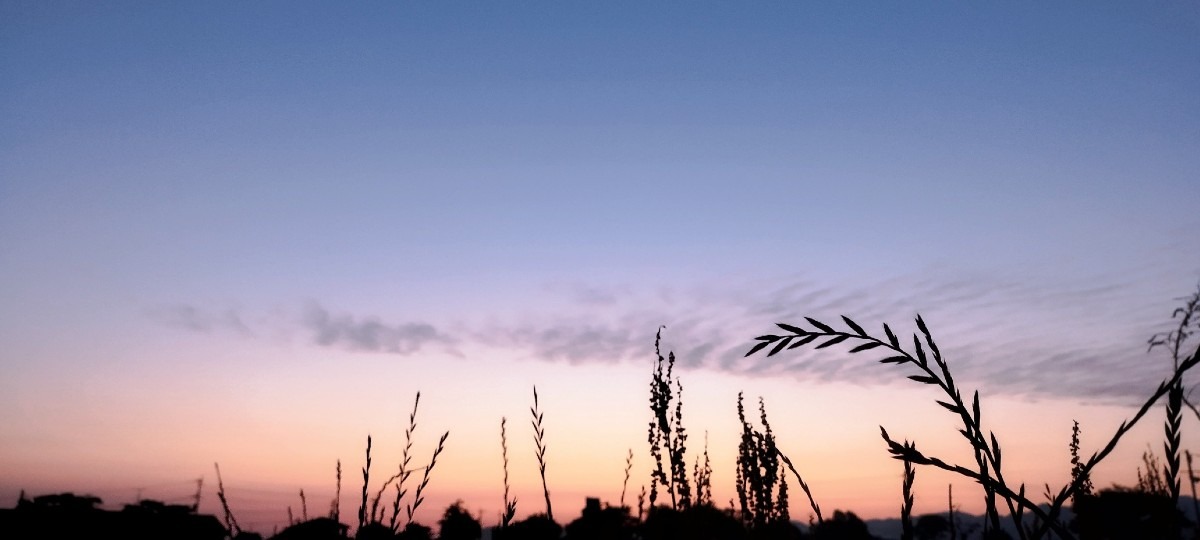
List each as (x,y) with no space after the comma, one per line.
(250,233)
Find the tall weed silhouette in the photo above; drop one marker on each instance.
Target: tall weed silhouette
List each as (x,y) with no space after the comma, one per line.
(666,433)
(761,489)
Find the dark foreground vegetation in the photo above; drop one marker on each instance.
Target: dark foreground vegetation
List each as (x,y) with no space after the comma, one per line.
(678,502)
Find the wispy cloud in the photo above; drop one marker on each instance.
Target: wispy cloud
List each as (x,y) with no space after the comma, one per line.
(190,317)
(1085,340)
(314,323)
(369,333)
(1082,340)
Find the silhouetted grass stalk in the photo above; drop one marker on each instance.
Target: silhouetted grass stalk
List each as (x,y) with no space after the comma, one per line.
(1175,340)
(1192,480)
(1077,473)
(231,524)
(539,439)
(196,498)
(628,468)
(510,505)
(702,476)
(642,503)
(803,486)
(335,507)
(403,471)
(906,508)
(950,511)
(366,471)
(418,497)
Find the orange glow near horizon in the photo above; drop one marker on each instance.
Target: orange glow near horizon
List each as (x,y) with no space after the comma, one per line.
(593,415)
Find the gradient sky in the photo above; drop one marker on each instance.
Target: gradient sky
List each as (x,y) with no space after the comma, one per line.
(251,232)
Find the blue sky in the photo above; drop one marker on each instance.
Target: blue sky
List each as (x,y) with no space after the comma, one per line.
(234,188)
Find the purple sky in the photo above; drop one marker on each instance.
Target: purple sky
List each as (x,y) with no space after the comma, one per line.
(218,212)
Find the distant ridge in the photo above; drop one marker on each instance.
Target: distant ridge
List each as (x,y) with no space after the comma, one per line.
(890,528)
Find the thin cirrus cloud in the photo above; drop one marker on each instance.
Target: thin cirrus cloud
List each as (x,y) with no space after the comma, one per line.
(317,324)
(369,334)
(1082,341)
(1016,338)
(189,317)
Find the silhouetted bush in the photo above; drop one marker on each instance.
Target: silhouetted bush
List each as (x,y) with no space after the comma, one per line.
(374,531)
(415,531)
(931,527)
(1125,513)
(842,526)
(458,524)
(607,523)
(535,527)
(321,528)
(697,522)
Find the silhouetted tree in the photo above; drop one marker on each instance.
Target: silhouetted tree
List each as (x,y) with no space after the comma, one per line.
(697,522)
(374,531)
(415,531)
(70,516)
(321,528)
(1121,512)
(607,523)
(999,534)
(842,526)
(458,524)
(931,527)
(535,527)
(776,530)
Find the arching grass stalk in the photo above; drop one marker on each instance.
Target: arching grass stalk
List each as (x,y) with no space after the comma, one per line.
(937,373)
(988,472)
(804,486)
